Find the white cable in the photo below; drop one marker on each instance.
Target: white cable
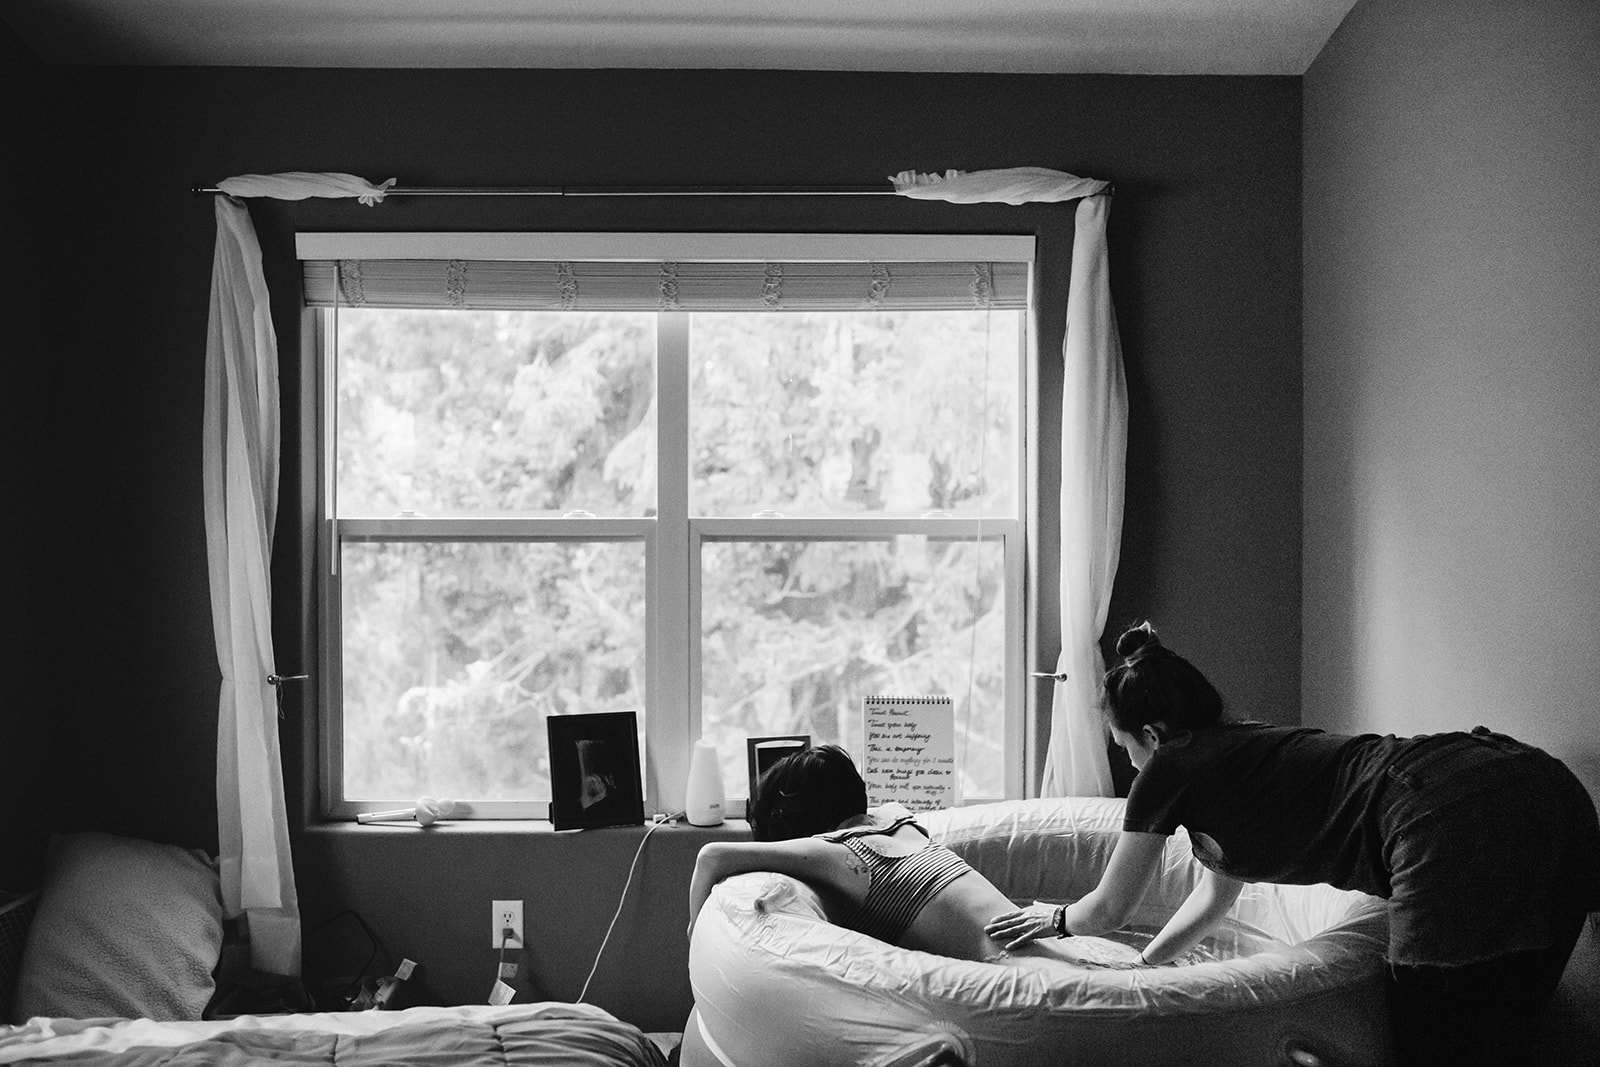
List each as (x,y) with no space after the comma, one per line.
(623,900)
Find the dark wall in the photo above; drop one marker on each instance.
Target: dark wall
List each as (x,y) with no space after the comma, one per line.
(1452,471)
(26,522)
(1205,252)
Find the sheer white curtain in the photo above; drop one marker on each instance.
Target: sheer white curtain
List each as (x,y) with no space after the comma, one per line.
(1094,435)
(1094,445)
(241,494)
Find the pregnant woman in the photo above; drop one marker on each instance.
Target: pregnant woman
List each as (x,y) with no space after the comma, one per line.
(876,870)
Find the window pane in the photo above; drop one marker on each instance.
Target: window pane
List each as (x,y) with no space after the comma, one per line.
(455,654)
(451,412)
(794,634)
(819,413)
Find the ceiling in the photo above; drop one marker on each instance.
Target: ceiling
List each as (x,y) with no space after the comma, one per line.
(1050,36)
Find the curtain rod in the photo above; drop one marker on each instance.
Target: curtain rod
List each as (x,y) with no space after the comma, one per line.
(625,190)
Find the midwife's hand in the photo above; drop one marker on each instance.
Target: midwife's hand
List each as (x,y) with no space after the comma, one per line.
(1015,928)
(1120,965)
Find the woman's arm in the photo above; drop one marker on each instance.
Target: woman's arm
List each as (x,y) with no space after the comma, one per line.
(1207,903)
(805,858)
(1135,861)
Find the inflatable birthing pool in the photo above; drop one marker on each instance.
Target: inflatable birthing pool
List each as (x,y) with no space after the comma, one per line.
(1294,978)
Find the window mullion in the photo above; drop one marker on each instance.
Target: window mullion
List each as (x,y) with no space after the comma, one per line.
(330,648)
(1019,634)
(672,722)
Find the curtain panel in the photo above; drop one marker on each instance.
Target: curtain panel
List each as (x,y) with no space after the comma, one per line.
(1094,430)
(241,493)
(240,480)
(1094,445)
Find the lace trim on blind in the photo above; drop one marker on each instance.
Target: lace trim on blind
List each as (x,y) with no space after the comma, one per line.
(759,285)
(567,285)
(350,282)
(669,287)
(455,283)
(772,287)
(878,290)
(982,285)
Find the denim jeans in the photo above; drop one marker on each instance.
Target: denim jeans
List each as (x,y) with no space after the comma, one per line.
(1481,1013)
(1486,841)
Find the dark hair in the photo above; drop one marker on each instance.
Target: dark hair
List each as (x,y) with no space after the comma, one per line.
(809,792)
(1154,684)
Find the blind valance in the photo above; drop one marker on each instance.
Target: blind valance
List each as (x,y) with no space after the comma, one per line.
(563,285)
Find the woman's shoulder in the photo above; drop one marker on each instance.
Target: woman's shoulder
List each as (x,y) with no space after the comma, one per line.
(1228,745)
(1202,755)
(1207,743)
(1240,731)
(884,814)
(878,816)
(885,818)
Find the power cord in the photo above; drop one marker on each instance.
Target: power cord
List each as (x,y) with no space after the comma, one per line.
(506,935)
(502,992)
(658,822)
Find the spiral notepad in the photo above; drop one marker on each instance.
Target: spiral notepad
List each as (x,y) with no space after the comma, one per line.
(910,753)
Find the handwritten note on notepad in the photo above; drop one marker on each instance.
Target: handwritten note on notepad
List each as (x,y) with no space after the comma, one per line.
(910,751)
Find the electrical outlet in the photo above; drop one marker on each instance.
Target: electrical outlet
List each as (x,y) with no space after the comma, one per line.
(507,913)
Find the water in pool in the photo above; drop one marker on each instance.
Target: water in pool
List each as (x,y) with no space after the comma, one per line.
(1120,950)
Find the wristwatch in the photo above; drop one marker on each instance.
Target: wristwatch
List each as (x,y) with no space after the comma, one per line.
(1059,920)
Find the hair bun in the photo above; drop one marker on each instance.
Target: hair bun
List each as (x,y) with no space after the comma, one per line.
(1137,638)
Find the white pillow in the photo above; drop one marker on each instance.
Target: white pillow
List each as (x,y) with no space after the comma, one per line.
(124,928)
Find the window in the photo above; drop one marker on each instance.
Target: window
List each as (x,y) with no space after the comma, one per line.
(735,493)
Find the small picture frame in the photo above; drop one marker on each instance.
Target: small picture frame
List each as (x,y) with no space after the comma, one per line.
(594,770)
(763,752)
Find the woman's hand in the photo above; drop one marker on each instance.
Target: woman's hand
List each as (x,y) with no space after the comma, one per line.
(1014,928)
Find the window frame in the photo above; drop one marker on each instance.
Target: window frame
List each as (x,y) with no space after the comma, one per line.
(672,539)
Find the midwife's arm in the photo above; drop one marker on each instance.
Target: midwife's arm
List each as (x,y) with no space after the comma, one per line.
(1207,903)
(1135,863)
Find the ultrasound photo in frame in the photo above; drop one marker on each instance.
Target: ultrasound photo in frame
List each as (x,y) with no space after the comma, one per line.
(594,770)
(763,752)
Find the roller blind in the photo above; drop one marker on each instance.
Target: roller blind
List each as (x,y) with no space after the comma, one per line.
(579,285)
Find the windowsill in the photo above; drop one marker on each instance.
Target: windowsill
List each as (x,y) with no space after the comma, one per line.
(731,830)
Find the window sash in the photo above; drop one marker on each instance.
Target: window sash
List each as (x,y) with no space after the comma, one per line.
(339,532)
(673,675)
(1008,531)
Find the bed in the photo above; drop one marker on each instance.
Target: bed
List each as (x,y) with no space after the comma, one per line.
(513,1035)
(117,965)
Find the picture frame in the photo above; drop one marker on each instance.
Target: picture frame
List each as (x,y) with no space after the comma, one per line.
(594,770)
(763,752)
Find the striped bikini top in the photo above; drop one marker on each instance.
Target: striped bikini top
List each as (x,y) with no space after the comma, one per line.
(901,886)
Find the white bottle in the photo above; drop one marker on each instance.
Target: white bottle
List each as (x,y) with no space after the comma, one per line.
(703,805)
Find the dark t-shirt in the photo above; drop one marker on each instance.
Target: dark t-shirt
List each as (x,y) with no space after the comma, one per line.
(1269,803)
(1477,839)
